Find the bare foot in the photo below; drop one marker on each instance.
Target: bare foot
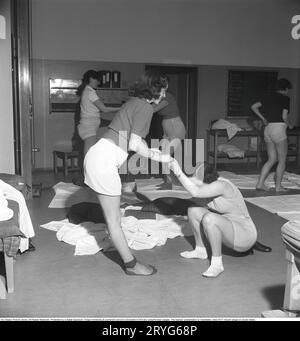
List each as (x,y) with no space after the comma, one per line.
(281,189)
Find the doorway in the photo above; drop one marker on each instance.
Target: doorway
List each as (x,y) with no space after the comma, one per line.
(22,91)
(183,85)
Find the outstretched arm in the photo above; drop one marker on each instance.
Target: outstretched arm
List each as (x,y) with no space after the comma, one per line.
(102,107)
(197,188)
(138,145)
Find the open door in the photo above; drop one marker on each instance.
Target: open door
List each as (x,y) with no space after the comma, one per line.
(183,85)
(22,90)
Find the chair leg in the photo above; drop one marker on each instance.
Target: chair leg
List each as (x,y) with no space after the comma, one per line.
(9,269)
(65,164)
(55,162)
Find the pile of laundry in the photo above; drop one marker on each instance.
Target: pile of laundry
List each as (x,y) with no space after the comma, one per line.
(90,238)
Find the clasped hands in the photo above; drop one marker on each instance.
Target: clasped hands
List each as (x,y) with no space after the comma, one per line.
(172,163)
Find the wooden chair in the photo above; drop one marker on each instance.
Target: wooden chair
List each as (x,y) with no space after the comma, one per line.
(65,156)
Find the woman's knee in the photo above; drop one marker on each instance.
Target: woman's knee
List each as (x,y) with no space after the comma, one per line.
(208,221)
(195,213)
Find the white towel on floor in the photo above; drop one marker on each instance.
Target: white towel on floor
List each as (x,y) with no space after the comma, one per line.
(89,238)
(286,206)
(25,223)
(249,181)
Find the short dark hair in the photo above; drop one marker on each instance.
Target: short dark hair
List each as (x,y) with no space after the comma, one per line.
(150,84)
(210,173)
(283,84)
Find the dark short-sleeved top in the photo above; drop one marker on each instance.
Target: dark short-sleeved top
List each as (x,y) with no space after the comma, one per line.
(273,105)
(170,110)
(134,117)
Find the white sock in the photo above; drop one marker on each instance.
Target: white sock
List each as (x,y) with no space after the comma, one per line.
(199,252)
(216,267)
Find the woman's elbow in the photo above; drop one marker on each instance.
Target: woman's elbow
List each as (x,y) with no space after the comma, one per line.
(194,193)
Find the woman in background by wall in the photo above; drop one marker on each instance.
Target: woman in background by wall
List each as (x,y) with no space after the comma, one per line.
(273,110)
(90,109)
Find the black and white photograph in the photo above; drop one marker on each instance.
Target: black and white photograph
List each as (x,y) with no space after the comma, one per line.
(149,162)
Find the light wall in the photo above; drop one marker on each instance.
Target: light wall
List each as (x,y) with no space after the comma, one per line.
(196,32)
(54,131)
(71,36)
(6,103)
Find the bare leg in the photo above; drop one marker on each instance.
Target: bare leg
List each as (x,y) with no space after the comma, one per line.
(218,230)
(111,210)
(281,148)
(169,146)
(195,215)
(272,158)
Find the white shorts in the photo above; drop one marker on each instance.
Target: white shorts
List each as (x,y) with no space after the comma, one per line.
(88,127)
(275,132)
(101,165)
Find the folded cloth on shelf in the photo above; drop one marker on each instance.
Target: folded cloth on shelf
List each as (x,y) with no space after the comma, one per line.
(231,128)
(25,223)
(231,150)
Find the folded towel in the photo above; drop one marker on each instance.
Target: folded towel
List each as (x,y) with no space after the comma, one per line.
(231,150)
(231,128)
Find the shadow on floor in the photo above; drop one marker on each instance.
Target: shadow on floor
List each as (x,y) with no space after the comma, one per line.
(115,257)
(274,295)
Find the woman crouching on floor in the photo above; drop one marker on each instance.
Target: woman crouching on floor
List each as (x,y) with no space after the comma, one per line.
(225,220)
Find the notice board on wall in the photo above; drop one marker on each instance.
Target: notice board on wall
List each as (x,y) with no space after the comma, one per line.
(247,87)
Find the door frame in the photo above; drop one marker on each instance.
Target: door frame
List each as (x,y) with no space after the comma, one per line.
(22,90)
(192,92)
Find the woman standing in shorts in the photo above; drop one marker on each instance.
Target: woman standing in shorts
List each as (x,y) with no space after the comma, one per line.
(273,110)
(90,108)
(101,164)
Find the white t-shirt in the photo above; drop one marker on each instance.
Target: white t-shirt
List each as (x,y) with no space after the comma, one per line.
(87,107)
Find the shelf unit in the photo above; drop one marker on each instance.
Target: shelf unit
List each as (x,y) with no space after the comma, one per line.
(214,135)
